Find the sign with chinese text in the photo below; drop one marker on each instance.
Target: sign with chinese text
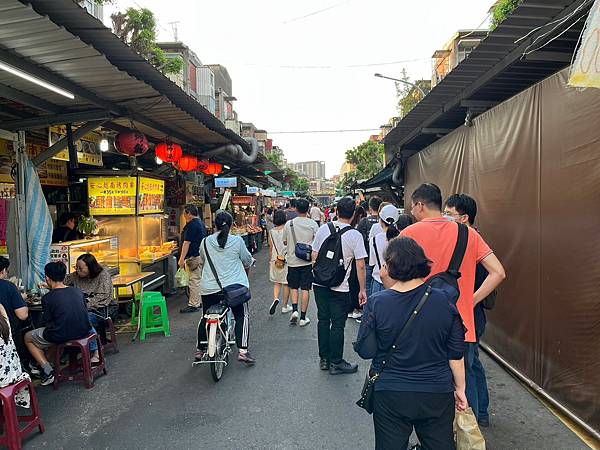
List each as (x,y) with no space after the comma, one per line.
(51,173)
(252,190)
(151,196)
(226,199)
(194,194)
(243,200)
(87,147)
(112,196)
(176,191)
(226,182)
(585,71)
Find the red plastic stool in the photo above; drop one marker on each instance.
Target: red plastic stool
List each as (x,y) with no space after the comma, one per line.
(73,372)
(112,344)
(13,434)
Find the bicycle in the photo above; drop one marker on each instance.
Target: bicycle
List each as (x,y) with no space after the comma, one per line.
(219,323)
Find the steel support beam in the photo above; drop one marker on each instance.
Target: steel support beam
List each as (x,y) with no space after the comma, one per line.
(27,99)
(62,143)
(13,112)
(478,104)
(436,130)
(549,56)
(55,119)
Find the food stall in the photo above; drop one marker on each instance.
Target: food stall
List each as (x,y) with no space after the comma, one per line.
(104,248)
(133,209)
(246,221)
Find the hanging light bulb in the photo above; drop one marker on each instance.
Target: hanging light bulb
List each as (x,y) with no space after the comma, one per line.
(104,144)
(159,161)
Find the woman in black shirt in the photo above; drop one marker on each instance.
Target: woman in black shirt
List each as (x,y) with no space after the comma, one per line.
(424,379)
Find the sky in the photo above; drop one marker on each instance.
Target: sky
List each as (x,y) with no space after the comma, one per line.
(308,66)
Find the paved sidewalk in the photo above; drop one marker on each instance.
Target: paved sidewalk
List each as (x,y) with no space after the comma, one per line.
(153,398)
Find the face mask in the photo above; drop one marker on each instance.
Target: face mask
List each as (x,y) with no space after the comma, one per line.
(451,218)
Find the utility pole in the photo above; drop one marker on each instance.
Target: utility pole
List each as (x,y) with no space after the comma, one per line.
(174,28)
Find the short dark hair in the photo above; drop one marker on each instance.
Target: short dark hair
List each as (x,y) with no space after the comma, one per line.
(374,203)
(293,203)
(302,205)
(191,209)
(92,264)
(404,220)
(65,217)
(56,271)
(223,222)
(279,217)
(464,204)
(406,260)
(429,194)
(4,263)
(346,208)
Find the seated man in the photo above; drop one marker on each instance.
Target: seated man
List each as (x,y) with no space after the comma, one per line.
(66,316)
(15,307)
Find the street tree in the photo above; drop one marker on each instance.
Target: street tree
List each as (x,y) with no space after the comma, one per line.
(408,96)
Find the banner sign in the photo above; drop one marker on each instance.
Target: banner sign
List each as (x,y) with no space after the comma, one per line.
(87,147)
(243,200)
(151,196)
(226,182)
(585,71)
(252,190)
(112,196)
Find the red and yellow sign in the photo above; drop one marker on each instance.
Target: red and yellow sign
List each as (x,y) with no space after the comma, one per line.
(151,196)
(87,147)
(51,173)
(112,196)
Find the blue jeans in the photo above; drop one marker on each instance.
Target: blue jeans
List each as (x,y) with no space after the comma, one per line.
(477,390)
(376,286)
(94,320)
(369,279)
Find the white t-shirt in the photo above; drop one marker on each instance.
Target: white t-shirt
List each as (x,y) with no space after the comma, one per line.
(305,230)
(375,230)
(382,244)
(353,247)
(315,213)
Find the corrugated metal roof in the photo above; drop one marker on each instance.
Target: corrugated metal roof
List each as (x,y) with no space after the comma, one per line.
(62,39)
(494,71)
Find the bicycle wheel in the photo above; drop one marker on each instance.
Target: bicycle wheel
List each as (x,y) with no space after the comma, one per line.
(217,366)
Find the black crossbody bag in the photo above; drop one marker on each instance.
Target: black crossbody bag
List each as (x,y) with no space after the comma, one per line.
(366,398)
(234,294)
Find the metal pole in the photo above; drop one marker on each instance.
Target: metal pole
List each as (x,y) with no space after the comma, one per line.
(539,390)
(378,75)
(22,258)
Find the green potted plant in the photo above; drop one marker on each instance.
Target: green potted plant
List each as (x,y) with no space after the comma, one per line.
(88,226)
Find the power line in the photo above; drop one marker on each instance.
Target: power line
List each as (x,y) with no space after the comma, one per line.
(323,131)
(314,13)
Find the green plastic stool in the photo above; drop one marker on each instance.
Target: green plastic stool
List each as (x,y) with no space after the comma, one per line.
(154,322)
(148,295)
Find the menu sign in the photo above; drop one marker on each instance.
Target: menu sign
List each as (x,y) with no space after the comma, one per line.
(151,196)
(87,147)
(112,196)
(51,173)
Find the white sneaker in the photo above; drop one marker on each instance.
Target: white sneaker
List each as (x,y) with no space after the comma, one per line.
(304,322)
(355,315)
(286,309)
(294,318)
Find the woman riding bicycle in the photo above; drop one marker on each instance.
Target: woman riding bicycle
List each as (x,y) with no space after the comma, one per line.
(232,260)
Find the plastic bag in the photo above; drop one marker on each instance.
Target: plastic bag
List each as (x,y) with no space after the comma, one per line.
(467,432)
(182,278)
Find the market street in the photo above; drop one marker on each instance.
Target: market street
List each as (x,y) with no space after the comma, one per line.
(153,397)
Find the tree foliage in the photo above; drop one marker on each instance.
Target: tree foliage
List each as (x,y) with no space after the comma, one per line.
(368,160)
(407,95)
(501,11)
(276,159)
(137,28)
(300,185)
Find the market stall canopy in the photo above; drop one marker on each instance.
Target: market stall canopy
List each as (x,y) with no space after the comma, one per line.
(99,78)
(501,66)
(382,178)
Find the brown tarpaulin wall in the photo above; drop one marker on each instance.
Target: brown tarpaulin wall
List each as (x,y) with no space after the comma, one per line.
(533,165)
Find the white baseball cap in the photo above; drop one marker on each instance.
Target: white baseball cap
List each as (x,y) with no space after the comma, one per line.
(389,214)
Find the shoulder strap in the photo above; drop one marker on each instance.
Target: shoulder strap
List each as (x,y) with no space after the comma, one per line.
(460,249)
(273,241)
(376,252)
(293,232)
(405,327)
(212,266)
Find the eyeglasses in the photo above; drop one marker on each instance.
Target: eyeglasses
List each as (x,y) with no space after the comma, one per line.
(448,213)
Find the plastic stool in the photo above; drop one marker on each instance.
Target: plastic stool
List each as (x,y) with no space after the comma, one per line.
(72,371)
(13,434)
(152,322)
(148,295)
(112,344)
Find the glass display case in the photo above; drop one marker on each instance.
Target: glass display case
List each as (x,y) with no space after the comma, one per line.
(143,239)
(104,248)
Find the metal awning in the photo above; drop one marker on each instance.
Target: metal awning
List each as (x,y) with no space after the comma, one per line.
(58,41)
(494,71)
(382,178)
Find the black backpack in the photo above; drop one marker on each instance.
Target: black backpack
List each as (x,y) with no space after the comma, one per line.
(329,270)
(448,281)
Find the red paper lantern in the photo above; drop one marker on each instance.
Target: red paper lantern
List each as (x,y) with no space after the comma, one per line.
(213,169)
(187,163)
(202,165)
(131,143)
(169,151)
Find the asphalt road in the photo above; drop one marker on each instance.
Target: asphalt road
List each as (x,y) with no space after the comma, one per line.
(153,398)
